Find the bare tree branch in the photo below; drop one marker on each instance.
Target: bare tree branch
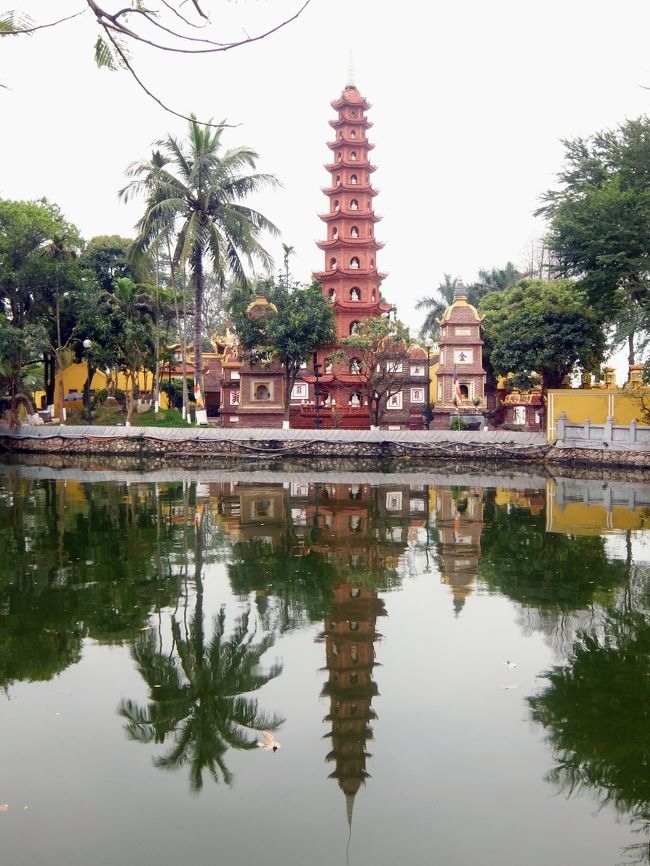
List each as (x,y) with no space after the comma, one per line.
(25,31)
(119,35)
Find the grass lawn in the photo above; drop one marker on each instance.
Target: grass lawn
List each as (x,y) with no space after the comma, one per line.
(111,416)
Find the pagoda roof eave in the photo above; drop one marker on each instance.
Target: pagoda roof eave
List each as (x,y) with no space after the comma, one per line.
(362,143)
(354,187)
(352,214)
(357,163)
(353,243)
(344,99)
(348,272)
(344,121)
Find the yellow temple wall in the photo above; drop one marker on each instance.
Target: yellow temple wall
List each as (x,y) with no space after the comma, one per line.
(596,404)
(74,378)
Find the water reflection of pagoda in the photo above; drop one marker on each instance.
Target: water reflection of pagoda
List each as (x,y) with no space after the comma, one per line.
(350,634)
(459,518)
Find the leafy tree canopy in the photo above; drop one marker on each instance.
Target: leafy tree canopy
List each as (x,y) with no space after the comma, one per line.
(542,327)
(374,351)
(600,217)
(304,322)
(195,193)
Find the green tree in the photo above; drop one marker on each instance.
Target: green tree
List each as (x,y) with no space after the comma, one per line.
(133,307)
(435,305)
(492,280)
(378,354)
(302,323)
(29,277)
(106,257)
(600,221)
(544,328)
(197,194)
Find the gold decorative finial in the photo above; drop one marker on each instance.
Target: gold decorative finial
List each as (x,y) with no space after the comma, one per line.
(350,79)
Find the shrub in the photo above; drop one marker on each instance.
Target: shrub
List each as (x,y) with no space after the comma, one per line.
(457,423)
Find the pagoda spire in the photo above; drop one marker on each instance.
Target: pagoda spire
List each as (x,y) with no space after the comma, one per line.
(349,82)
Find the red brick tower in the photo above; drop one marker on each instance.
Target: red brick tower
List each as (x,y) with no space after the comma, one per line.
(350,279)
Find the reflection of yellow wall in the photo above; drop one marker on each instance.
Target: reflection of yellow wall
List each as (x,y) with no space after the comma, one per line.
(597,405)
(74,379)
(576,518)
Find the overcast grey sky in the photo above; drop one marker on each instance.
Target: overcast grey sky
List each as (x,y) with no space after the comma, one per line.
(469,103)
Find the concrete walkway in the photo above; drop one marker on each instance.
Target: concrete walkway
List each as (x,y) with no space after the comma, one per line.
(255,434)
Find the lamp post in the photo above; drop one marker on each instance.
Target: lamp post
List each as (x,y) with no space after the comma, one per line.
(428,410)
(317,375)
(87,344)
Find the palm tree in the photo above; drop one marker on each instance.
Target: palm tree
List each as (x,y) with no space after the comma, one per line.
(436,305)
(195,190)
(198,695)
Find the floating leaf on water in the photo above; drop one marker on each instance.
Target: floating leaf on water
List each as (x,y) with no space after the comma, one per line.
(4,807)
(508,686)
(510,664)
(270,743)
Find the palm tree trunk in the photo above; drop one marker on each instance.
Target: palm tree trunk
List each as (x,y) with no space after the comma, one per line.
(199,282)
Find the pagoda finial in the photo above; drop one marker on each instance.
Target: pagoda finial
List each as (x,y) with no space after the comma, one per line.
(459,290)
(349,82)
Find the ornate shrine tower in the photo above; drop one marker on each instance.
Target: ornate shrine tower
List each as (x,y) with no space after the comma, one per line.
(350,279)
(460,376)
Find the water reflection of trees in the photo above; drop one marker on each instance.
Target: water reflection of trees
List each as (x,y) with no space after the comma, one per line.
(200,694)
(596,711)
(79,560)
(542,569)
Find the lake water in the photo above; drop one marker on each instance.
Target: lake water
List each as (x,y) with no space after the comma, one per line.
(456,668)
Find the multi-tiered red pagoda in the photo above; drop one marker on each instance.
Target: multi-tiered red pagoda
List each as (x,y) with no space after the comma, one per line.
(350,279)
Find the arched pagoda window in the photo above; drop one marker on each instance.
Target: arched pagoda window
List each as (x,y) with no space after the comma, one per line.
(338,179)
(332,295)
(354,262)
(355,294)
(355,327)
(353,113)
(262,392)
(354,179)
(354,232)
(355,366)
(372,263)
(332,263)
(353,133)
(354,204)
(335,231)
(338,156)
(353,155)
(337,204)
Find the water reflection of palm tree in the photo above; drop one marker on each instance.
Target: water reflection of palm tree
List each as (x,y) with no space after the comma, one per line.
(199,696)
(595,712)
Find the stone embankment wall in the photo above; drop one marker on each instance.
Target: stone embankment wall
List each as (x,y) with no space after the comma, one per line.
(200,445)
